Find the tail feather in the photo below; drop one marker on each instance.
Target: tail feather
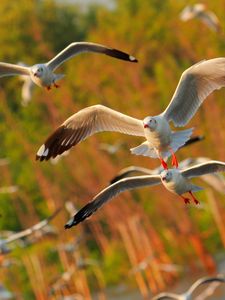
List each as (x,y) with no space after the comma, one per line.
(144,149)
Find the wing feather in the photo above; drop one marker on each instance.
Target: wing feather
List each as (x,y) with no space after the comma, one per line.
(79,47)
(195,84)
(85,123)
(11,69)
(204,168)
(111,192)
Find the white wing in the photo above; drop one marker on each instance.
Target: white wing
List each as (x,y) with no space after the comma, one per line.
(10,70)
(110,192)
(204,168)
(195,84)
(205,280)
(76,48)
(86,122)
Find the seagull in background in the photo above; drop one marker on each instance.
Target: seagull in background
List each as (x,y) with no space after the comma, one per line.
(141,266)
(24,233)
(43,74)
(174,180)
(195,84)
(199,11)
(111,148)
(215,180)
(188,294)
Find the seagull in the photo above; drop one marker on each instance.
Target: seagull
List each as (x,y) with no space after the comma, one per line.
(216,181)
(188,294)
(18,235)
(174,180)
(199,11)
(195,84)
(43,74)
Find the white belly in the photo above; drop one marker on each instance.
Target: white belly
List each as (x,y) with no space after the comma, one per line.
(179,186)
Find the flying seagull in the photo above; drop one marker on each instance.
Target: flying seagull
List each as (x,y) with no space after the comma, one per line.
(18,235)
(174,180)
(43,74)
(199,11)
(195,84)
(216,181)
(188,294)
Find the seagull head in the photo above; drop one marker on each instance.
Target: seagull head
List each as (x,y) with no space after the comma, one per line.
(38,70)
(150,123)
(166,175)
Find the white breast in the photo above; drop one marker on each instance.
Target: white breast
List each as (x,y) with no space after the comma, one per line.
(161,137)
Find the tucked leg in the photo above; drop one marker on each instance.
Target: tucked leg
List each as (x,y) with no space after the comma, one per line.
(174,159)
(193,197)
(186,200)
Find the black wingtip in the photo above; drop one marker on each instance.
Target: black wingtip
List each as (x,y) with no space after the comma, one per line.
(70,223)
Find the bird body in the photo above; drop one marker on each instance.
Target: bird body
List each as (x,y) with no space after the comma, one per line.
(175,182)
(43,76)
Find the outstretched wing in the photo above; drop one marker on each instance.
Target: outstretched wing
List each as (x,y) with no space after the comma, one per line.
(76,48)
(195,84)
(11,69)
(205,280)
(85,123)
(212,166)
(110,192)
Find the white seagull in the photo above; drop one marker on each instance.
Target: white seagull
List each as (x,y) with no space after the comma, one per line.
(43,74)
(195,85)
(188,294)
(199,11)
(216,181)
(18,235)
(174,180)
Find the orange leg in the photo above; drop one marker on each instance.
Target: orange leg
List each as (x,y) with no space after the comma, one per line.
(186,200)
(174,159)
(193,197)
(163,163)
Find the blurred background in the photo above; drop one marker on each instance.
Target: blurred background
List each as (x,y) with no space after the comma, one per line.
(142,242)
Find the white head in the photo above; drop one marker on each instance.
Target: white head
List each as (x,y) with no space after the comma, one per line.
(38,70)
(166,175)
(150,123)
